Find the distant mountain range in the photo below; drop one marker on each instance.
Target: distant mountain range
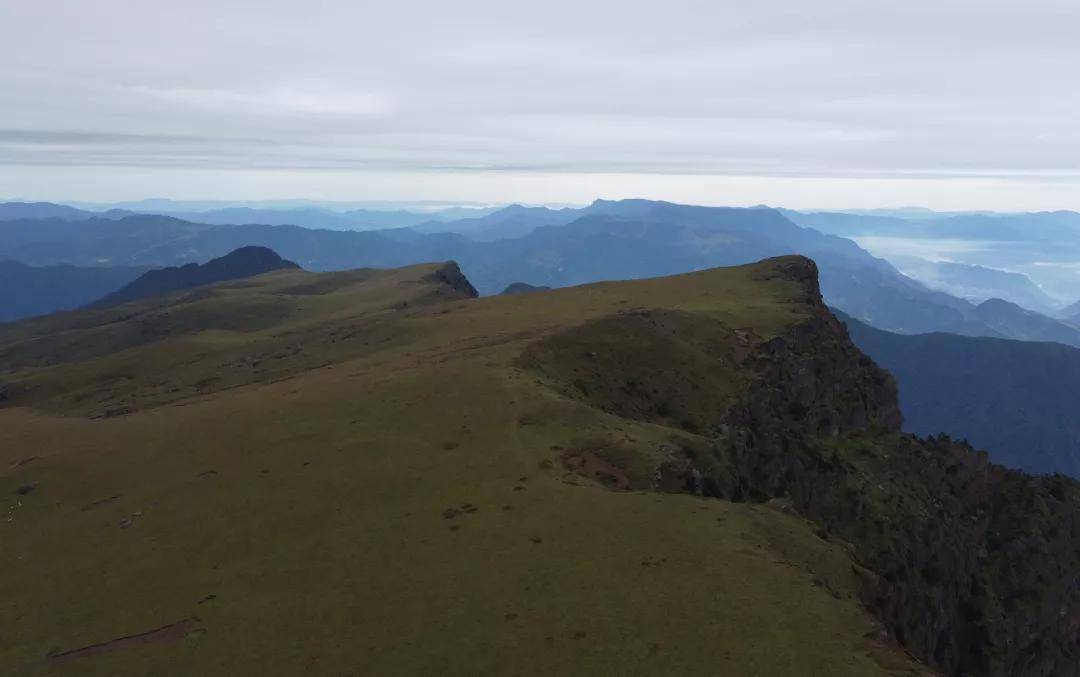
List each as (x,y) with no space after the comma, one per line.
(1036,226)
(241,263)
(305,216)
(1044,246)
(977,283)
(1016,399)
(156,205)
(1070,314)
(607,240)
(26,291)
(509,222)
(11,211)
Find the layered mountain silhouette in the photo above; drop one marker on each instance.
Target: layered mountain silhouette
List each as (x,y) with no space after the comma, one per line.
(1012,321)
(977,283)
(10,211)
(1070,314)
(240,263)
(1016,399)
(26,291)
(1034,226)
(623,239)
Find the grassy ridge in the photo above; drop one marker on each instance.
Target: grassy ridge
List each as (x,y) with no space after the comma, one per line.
(388,497)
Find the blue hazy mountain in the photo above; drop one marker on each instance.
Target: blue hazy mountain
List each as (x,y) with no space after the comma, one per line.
(977,283)
(1009,319)
(26,291)
(1016,399)
(359,219)
(295,215)
(11,211)
(509,222)
(1033,226)
(240,263)
(623,239)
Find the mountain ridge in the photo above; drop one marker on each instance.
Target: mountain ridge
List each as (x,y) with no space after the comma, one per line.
(637,238)
(239,263)
(591,411)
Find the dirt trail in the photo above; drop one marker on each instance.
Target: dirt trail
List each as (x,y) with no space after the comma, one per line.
(166,634)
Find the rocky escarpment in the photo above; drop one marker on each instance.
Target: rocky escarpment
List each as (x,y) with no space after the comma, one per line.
(972,567)
(450,274)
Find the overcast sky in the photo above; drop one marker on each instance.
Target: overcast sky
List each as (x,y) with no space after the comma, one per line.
(831,103)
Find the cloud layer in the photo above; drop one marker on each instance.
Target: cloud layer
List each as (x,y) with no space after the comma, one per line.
(835,89)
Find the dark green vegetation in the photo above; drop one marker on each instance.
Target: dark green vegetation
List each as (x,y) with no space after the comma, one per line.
(375,472)
(1016,399)
(26,291)
(240,263)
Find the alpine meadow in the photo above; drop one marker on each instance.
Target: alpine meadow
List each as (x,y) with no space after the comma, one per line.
(487,339)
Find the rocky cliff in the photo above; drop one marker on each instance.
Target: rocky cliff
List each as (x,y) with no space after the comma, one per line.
(971,566)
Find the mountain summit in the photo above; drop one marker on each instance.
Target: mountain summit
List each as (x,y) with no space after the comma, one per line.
(239,263)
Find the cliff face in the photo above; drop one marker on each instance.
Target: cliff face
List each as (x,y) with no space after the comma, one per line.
(974,568)
(450,274)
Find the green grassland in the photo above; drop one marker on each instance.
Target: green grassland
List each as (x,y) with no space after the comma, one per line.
(363,474)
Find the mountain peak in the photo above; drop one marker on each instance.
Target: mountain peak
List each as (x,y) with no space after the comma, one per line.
(239,263)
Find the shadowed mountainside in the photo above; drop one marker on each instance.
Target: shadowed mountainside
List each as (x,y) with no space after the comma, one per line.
(1012,321)
(239,263)
(626,239)
(1015,399)
(26,291)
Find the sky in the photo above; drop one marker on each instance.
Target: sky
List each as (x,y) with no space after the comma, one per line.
(951,104)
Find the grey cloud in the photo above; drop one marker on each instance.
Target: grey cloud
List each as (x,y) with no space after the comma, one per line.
(836,88)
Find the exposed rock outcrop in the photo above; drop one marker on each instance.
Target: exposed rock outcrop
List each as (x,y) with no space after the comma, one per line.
(451,275)
(973,567)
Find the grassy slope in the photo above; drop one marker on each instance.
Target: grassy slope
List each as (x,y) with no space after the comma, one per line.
(321,530)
